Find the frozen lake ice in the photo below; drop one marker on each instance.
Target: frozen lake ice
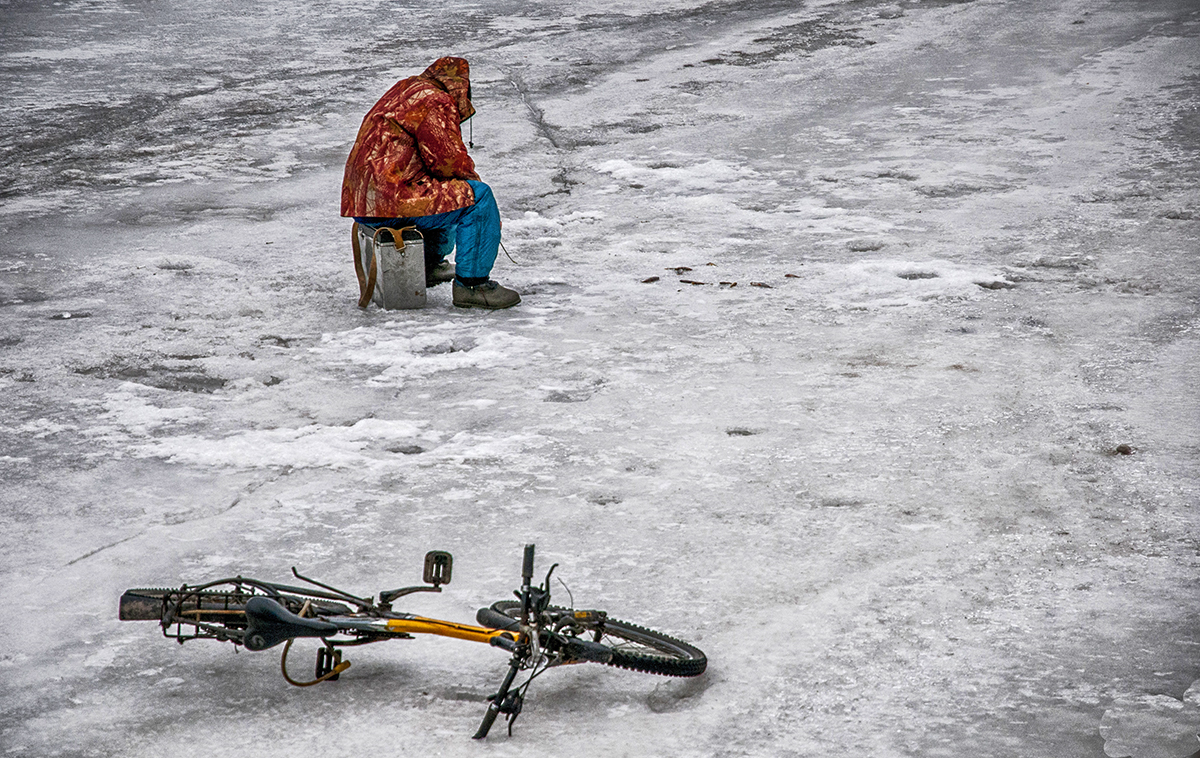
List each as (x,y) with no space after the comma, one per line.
(858,346)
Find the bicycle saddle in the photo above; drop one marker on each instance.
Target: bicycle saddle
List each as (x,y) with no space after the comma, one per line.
(269,623)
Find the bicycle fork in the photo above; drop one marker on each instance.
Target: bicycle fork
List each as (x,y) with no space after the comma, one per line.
(503,701)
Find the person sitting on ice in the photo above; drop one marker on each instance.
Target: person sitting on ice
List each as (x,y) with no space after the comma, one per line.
(409,167)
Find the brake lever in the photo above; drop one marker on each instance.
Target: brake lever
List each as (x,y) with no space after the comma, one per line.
(540,597)
(546,584)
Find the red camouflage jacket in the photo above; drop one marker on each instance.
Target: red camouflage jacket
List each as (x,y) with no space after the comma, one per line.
(409,158)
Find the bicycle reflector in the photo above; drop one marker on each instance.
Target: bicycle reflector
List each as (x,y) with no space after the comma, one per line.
(438,564)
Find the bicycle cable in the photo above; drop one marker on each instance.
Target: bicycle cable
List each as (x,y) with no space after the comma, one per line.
(568,589)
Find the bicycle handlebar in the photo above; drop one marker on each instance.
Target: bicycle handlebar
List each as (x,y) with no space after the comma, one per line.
(527,568)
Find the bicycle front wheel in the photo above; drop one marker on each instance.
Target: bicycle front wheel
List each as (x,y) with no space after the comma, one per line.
(633,647)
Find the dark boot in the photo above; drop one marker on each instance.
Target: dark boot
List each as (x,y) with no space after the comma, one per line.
(489,295)
(437,273)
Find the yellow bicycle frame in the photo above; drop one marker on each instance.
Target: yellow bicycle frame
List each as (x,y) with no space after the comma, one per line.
(422,625)
(409,625)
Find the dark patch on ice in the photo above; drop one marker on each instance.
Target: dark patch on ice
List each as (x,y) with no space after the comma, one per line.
(25,295)
(11,340)
(176,265)
(1068,262)
(952,189)
(271,381)
(1137,191)
(864,246)
(562,181)
(275,339)
(679,694)
(406,449)
(447,347)
(804,38)
(903,176)
(998,284)
(604,500)
(137,139)
(739,431)
(568,396)
(869,360)
(840,502)
(915,275)
(1138,286)
(549,288)
(465,695)
(637,125)
(1033,322)
(164,376)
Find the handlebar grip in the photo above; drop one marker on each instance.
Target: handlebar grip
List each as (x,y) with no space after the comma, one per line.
(504,642)
(527,568)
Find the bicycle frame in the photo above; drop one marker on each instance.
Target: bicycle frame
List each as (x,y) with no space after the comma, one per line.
(469,632)
(259,615)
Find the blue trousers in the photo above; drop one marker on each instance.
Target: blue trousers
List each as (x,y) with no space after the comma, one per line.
(474,231)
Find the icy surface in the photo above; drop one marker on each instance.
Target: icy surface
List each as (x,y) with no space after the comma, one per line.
(858,346)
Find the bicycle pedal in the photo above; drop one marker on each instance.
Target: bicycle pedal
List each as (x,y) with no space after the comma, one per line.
(590,617)
(438,567)
(327,661)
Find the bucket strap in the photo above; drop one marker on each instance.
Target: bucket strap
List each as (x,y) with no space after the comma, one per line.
(366,280)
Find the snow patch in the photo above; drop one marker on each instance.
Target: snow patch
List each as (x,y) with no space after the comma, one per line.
(406,351)
(708,176)
(42,428)
(314,446)
(134,414)
(1153,726)
(869,284)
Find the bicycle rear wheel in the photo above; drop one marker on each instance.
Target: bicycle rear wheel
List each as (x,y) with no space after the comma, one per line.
(215,610)
(633,647)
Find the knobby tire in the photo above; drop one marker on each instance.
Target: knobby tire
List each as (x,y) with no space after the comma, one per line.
(633,647)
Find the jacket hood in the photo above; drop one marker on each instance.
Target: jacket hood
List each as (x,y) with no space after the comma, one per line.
(454,75)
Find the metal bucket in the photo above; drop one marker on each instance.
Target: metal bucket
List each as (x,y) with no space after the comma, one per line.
(400,269)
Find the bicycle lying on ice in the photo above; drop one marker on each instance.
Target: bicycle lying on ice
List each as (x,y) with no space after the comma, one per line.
(259,615)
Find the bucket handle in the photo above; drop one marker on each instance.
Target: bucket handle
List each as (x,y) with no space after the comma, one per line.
(367,278)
